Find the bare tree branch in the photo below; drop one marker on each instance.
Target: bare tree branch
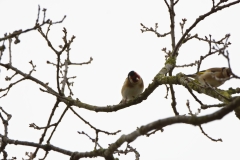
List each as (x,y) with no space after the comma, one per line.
(19,32)
(200,18)
(193,120)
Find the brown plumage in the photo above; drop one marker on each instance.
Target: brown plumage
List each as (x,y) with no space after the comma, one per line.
(214,77)
(132,87)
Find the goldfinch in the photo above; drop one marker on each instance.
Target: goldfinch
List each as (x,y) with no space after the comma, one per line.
(132,87)
(214,77)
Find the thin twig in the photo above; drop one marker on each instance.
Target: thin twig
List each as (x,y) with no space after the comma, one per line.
(55,127)
(33,125)
(146,29)
(213,105)
(10,50)
(48,124)
(88,62)
(93,140)
(215,140)
(199,19)
(96,129)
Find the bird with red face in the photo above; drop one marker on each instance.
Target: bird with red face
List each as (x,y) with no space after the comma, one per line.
(132,87)
(214,77)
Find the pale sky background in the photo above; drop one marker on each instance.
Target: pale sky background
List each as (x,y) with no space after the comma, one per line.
(109,32)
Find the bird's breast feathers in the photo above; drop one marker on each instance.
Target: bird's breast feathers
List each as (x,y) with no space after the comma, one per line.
(130,90)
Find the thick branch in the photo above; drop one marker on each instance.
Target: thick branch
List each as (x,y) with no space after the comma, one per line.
(158,80)
(173,120)
(193,120)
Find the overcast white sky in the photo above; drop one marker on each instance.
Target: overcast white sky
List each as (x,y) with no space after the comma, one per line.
(109,32)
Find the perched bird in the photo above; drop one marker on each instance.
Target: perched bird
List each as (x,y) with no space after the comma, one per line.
(132,87)
(214,77)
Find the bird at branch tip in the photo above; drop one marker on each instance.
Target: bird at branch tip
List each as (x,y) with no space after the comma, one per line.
(213,77)
(132,87)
